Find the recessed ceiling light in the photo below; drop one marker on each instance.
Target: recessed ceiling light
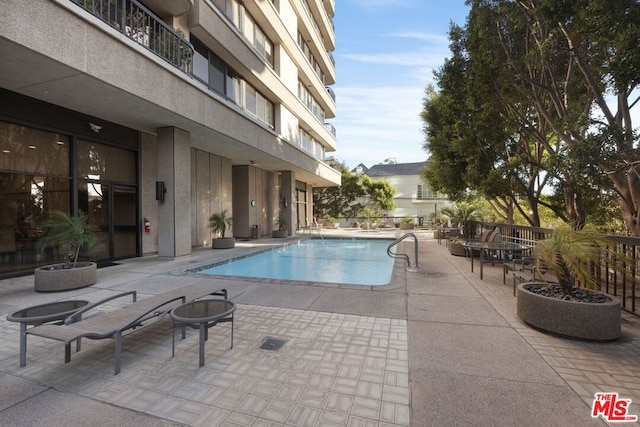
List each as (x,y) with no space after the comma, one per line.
(6,151)
(32,147)
(60,142)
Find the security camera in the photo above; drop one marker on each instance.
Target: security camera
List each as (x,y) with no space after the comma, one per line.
(94,127)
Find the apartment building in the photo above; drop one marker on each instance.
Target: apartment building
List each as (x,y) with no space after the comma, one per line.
(414,197)
(161,112)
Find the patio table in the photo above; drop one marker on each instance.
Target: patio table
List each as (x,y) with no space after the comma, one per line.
(508,249)
(44,313)
(203,314)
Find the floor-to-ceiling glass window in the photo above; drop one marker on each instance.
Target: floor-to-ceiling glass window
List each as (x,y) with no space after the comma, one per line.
(34,179)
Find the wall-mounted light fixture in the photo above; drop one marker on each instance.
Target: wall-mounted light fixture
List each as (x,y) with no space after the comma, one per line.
(285,202)
(253,162)
(94,127)
(253,203)
(161,190)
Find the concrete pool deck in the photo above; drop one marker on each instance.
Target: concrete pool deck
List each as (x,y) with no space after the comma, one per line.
(436,347)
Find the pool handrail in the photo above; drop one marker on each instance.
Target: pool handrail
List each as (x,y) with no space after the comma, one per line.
(405,256)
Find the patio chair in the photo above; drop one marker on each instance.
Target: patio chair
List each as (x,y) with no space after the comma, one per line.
(119,323)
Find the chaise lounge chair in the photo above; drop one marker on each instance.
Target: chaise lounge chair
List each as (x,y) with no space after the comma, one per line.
(118,323)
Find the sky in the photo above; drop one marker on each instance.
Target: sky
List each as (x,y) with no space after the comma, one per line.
(386,53)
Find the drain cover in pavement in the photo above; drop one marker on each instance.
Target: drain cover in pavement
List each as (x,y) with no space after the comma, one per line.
(273,344)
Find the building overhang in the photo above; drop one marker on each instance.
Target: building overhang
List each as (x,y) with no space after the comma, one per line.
(142,92)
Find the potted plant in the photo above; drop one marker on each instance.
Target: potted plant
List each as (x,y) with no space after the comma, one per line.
(564,308)
(71,235)
(406,223)
(282,231)
(218,223)
(330,222)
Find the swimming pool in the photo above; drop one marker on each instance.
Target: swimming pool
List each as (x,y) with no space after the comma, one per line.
(350,261)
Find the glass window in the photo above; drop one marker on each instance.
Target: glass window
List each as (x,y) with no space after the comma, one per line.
(217,71)
(103,162)
(248,27)
(234,88)
(250,99)
(232,11)
(23,149)
(200,61)
(25,201)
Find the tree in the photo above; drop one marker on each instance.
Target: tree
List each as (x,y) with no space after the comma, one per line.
(356,193)
(563,77)
(339,201)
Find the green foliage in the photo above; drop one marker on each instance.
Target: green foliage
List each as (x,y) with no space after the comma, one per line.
(218,222)
(354,194)
(568,254)
(522,111)
(281,222)
(71,234)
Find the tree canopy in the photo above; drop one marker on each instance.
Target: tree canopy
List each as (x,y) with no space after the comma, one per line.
(535,104)
(357,192)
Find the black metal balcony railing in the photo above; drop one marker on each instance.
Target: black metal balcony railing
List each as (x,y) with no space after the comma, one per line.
(140,24)
(331,128)
(610,280)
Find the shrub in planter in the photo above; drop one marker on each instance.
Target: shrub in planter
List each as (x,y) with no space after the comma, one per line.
(282,231)
(564,308)
(218,223)
(71,234)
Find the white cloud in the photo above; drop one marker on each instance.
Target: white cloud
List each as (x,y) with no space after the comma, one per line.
(374,123)
(438,39)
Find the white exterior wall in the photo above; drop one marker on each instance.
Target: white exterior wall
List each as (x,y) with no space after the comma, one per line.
(289,123)
(288,71)
(289,18)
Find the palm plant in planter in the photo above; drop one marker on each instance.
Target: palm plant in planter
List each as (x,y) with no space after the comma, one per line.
(71,234)
(564,308)
(282,227)
(218,223)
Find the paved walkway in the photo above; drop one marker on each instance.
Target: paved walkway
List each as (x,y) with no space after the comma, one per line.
(436,347)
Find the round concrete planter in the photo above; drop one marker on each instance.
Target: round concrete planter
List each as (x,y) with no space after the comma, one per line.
(582,320)
(406,226)
(456,249)
(56,278)
(224,243)
(279,233)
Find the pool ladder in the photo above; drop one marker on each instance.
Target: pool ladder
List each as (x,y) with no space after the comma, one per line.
(405,256)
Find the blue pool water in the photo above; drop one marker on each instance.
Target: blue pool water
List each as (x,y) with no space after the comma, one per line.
(351,261)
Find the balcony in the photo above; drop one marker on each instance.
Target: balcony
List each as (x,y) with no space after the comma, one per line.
(140,25)
(330,128)
(331,93)
(170,7)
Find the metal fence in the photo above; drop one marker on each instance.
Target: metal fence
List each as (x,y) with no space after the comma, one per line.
(625,251)
(140,25)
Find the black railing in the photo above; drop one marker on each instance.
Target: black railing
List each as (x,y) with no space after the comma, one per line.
(625,251)
(140,25)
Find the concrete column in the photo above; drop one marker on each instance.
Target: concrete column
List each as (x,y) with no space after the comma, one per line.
(174,214)
(288,191)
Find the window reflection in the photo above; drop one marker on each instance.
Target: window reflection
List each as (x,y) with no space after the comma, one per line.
(103,162)
(23,149)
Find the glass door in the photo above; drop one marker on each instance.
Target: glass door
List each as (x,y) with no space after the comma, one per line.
(111,212)
(93,200)
(123,218)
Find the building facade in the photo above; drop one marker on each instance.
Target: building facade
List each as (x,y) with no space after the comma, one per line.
(414,198)
(161,112)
